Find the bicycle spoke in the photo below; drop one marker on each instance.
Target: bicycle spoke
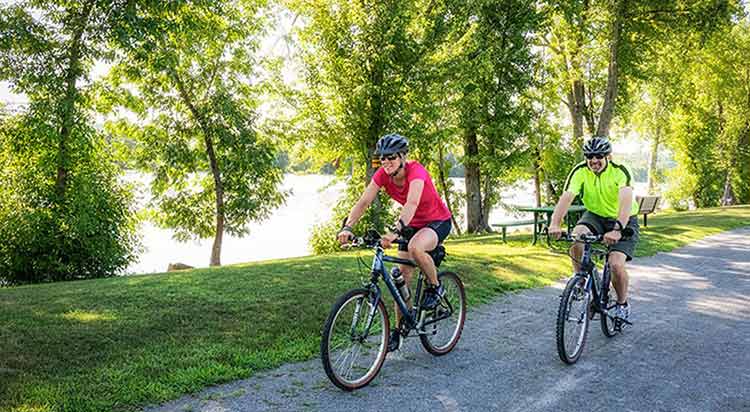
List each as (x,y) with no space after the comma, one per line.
(352,355)
(442,335)
(573,320)
(341,360)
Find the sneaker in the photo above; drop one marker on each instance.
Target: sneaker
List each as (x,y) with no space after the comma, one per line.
(432,296)
(394,342)
(622,312)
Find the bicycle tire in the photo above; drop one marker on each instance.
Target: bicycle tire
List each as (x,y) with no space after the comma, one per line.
(574,292)
(438,339)
(340,329)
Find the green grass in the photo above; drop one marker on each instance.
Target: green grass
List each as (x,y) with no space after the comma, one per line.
(121,343)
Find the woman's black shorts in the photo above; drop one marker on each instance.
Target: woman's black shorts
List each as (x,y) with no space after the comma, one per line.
(441,227)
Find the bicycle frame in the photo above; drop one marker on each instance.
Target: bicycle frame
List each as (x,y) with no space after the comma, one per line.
(378,269)
(408,316)
(590,273)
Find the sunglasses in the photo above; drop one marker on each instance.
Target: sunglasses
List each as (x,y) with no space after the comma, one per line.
(594,156)
(389,157)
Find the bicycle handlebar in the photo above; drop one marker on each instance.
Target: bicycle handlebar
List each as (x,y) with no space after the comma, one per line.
(370,239)
(588,238)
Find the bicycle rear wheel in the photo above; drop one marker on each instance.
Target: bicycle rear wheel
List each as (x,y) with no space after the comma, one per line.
(352,353)
(442,336)
(573,318)
(609,299)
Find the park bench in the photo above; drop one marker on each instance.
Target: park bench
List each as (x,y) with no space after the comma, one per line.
(647,205)
(506,225)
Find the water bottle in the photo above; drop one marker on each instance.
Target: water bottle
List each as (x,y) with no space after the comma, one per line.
(400,283)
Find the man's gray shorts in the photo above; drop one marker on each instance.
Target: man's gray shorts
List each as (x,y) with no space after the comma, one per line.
(600,225)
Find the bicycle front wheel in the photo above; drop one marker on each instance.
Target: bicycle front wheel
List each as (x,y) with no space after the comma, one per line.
(441,337)
(573,318)
(352,350)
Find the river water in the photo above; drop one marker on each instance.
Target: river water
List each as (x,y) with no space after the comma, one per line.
(284,234)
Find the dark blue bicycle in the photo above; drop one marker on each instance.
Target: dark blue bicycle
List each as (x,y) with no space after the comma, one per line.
(355,336)
(587,293)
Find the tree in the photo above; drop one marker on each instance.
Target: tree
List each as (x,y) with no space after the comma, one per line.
(65,215)
(711,125)
(362,64)
(600,49)
(487,68)
(194,66)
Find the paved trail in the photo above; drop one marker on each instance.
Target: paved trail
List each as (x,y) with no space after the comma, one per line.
(689,350)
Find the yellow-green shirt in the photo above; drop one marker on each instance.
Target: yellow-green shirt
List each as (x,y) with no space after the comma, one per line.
(600,193)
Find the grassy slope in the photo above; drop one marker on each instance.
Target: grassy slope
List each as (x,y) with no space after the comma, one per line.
(120,343)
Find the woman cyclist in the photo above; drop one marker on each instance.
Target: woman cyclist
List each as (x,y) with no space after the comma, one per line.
(424,215)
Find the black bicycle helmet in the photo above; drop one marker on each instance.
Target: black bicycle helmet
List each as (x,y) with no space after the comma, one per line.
(597,145)
(390,144)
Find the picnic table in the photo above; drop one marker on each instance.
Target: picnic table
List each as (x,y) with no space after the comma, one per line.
(543,218)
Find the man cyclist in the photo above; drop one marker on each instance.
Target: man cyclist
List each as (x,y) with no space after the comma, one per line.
(607,193)
(424,221)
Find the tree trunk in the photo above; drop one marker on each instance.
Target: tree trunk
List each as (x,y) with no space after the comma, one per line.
(610,95)
(577,92)
(738,169)
(188,100)
(576,113)
(67,107)
(219,188)
(374,132)
(473,188)
(446,190)
(488,202)
(377,205)
(537,177)
(727,199)
(652,189)
(551,192)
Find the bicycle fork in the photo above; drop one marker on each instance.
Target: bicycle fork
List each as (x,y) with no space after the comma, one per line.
(374,298)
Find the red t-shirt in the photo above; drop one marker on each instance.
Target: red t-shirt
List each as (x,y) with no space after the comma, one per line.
(431,207)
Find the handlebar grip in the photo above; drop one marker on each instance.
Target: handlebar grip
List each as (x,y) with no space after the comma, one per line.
(627,232)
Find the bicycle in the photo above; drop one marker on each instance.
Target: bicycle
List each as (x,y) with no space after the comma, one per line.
(593,294)
(356,333)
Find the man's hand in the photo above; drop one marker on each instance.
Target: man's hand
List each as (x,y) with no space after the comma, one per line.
(386,240)
(612,237)
(344,236)
(554,231)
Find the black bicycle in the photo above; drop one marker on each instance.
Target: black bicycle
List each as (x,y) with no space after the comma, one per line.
(355,336)
(586,294)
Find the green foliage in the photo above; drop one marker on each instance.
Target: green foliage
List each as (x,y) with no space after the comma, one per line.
(710,128)
(680,188)
(362,63)
(90,233)
(64,213)
(487,67)
(323,239)
(213,171)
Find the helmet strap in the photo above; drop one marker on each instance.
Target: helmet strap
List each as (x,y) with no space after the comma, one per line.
(400,165)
